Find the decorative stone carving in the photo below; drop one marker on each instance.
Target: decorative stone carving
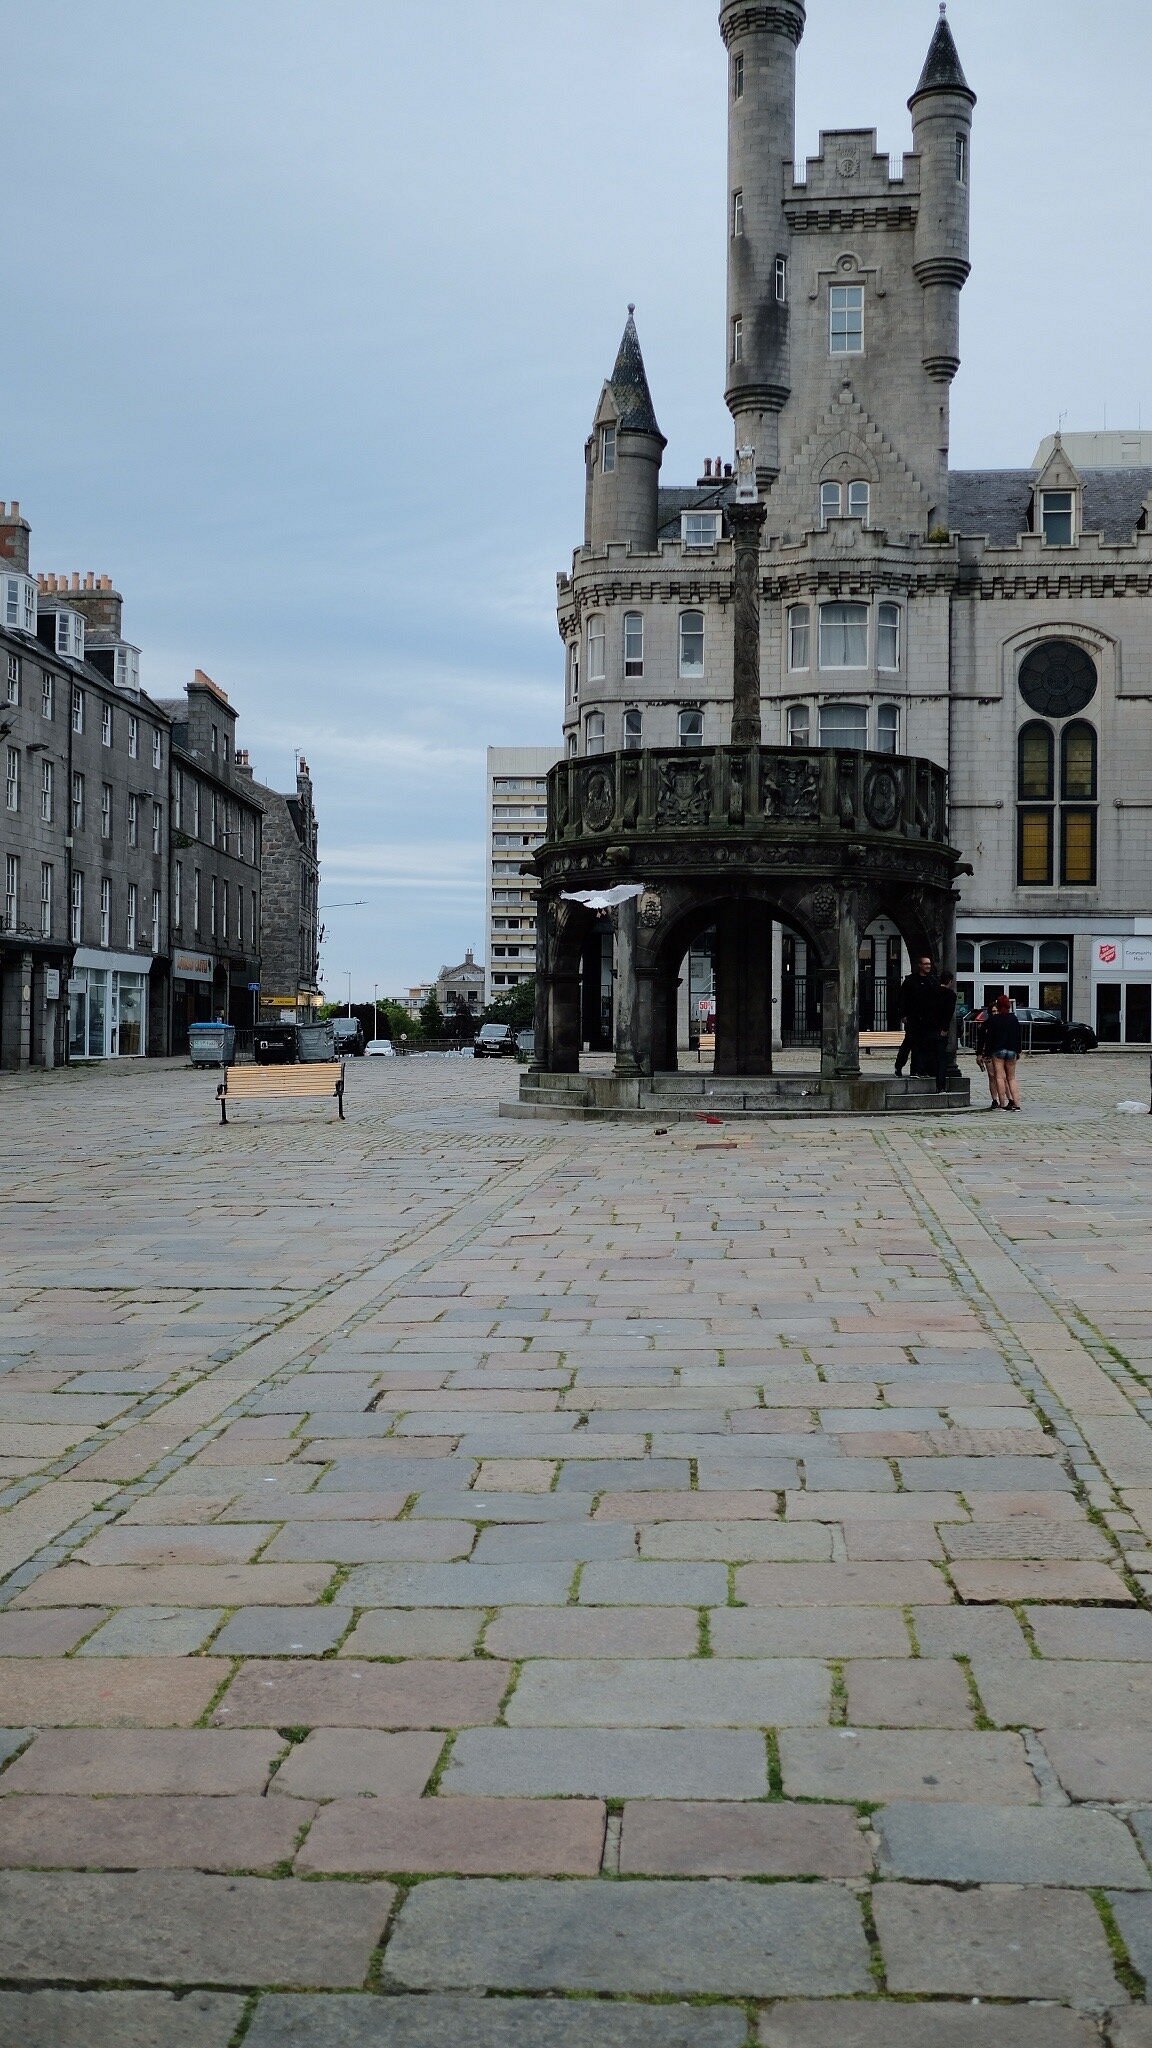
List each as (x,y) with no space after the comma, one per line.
(684,792)
(846,795)
(599,798)
(791,788)
(883,797)
(824,908)
(650,909)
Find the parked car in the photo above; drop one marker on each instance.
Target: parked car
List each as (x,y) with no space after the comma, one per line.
(348,1036)
(526,1043)
(379,1049)
(494,1042)
(1048,1031)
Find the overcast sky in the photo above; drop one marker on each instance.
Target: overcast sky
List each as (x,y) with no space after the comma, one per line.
(307,304)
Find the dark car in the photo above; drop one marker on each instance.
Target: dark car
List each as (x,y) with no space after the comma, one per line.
(494,1042)
(348,1036)
(1048,1031)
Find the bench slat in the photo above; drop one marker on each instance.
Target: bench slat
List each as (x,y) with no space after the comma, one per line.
(245,1083)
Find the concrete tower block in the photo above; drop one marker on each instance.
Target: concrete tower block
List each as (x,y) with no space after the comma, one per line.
(623,456)
(761,38)
(941,108)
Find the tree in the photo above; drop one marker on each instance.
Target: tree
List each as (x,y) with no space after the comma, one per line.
(395,1023)
(517,1007)
(432,1018)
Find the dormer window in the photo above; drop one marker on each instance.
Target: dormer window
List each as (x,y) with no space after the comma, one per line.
(70,635)
(1058,517)
(127,668)
(607,450)
(19,597)
(700,529)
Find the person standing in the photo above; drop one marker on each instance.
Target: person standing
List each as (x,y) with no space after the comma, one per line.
(919,996)
(945,1014)
(1005,1039)
(983,1056)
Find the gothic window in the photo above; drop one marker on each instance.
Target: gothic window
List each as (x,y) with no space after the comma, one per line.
(799,725)
(1058,679)
(607,450)
(859,500)
(691,728)
(831,502)
(1057,510)
(888,636)
(737,213)
(844,725)
(633,731)
(594,733)
(596,650)
(799,637)
(888,729)
(1078,805)
(691,643)
(633,643)
(846,320)
(843,636)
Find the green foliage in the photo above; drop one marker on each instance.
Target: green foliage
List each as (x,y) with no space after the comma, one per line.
(432,1018)
(517,1007)
(395,1021)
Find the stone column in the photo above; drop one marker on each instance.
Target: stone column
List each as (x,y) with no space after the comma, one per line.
(847,1037)
(746,522)
(744,989)
(627,1004)
(564,1024)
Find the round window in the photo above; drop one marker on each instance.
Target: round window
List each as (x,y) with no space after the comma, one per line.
(1057,679)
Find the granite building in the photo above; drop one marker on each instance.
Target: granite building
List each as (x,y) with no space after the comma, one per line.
(289,896)
(997,623)
(84,828)
(217,826)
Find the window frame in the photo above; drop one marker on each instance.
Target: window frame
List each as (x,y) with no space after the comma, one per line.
(738,75)
(13,694)
(47,891)
(48,697)
(737,345)
(77,709)
(715,523)
(831,501)
(690,669)
(781,280)
(608,450)
(887,725)
(105,910)
(1061,512)
(594,734)
(844,667)
(1073,731)
(47,790)
(133,737)
(963,157)
(738,212)
(834,705)
(633,637)
(597,645)
(845,336)
(633,739)
(799,630)
(105,810)
(1044,815)
(798,725)
(696,737)
(860,500)
(892,625)
(106,725)
(12,779)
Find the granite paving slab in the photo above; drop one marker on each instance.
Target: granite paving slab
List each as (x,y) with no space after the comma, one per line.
(435,2021)
(118,2019)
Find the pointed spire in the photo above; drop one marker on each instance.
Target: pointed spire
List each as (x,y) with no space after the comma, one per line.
(943,71)
(629,385)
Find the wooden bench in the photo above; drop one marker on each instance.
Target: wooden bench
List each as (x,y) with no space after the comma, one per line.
(881,1041)
(276,1084)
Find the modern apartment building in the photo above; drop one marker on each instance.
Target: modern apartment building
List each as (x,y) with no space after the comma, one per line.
(517,809)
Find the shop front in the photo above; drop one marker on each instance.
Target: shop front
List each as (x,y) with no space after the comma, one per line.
(193,1002)
(1122,990)
(108,1005)
(1036,973)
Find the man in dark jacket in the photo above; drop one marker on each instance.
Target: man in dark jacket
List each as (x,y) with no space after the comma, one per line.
(919,1002)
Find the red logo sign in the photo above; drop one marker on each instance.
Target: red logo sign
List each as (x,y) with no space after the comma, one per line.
(1108,956)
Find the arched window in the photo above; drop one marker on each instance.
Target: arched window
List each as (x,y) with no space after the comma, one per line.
(691,643)
(859,500)
(799,725)
(843,636)
(633,731)
(596,650)
(691,728)
(844,725)
(633,643)
(594,733)
(888,729)
(831,502)
(1078,805)
(1035,793)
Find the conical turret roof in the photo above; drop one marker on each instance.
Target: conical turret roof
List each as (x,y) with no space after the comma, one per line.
(943,71)
(629,385)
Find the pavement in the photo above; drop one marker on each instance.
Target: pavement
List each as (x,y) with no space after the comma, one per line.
(521,1585)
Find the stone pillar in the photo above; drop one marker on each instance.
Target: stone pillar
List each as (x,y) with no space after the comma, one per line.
(564,1024)
(542,1020)
(845,1035)
(746,522)
(627,1004)
(24,997)
(744,989)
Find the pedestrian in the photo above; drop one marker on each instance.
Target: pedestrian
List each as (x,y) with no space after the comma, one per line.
(984,1057)
(1005,1039)
(919,996)
(945,1013)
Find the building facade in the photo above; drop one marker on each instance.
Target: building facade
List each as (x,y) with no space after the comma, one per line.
(217,825)
(516,817)
(460,990)
(289,896)
(84,833)
(997,623)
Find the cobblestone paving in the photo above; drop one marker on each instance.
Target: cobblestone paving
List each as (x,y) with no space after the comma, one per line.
(515,1585)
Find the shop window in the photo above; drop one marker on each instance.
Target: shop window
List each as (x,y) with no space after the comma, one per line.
(965,956)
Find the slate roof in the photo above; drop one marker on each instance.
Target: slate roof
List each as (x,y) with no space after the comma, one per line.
(995,502)
(677,498)
(943,71)
(629,382)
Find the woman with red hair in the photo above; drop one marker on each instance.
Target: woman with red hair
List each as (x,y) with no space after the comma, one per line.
(1005,1039)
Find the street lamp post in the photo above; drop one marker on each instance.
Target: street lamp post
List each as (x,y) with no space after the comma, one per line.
(348,972)
(375,1010)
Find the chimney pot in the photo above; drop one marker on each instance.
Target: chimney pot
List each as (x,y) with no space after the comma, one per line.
(727,469)
(15,508)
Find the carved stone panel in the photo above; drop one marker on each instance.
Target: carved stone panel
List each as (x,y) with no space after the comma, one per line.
(883,797)
(684,791)
(791,789)
(599,797)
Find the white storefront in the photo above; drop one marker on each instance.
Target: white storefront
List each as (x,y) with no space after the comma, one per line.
(108,1005)
(1122,989)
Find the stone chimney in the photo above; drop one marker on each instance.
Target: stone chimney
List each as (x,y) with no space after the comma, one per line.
(15,536)
(100,605)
